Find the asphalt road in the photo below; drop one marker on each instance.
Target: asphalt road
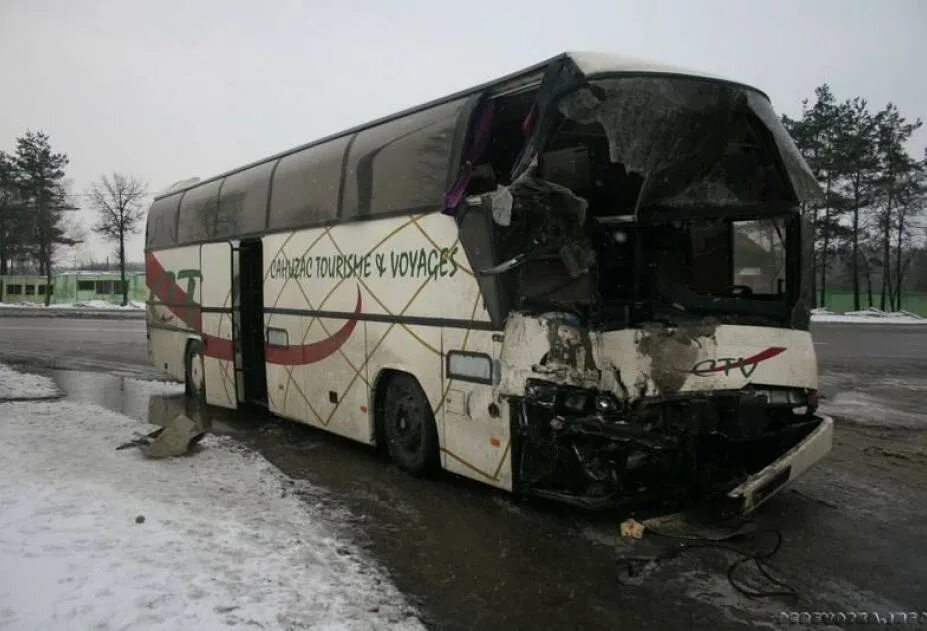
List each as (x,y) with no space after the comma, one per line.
(471,557)
(119,344)
(112,344)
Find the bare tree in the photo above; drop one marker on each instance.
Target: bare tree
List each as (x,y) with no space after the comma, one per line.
(118,202)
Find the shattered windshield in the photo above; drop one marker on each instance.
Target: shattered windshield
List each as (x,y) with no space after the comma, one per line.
(693,142)
(644,194)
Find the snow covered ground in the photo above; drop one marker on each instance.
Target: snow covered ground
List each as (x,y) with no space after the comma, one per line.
(867,316)
(91,537)
(16,385)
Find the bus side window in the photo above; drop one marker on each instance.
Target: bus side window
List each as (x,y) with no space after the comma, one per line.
(243,202)
(402,164)
(162,222)
(306,186)
(199,213)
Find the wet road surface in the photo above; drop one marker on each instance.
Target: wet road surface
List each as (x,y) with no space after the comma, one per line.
(472,557)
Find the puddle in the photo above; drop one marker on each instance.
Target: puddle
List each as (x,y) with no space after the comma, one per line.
(125,395)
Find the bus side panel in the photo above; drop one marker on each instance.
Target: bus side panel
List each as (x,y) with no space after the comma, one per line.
(173,280)
(284,395)
(476,424)
(166,350)
(319,375)
(388,272)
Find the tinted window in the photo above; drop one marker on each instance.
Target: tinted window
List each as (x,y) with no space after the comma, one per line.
(243,202)
(85,285)
(306,185)
(199,213)
(14,290)
(402,164)
(162,222)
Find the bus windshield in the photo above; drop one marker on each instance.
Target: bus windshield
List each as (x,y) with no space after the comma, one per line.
(657,197)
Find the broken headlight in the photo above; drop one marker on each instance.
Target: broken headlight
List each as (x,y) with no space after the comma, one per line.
(569,400)
(541,392)
(605,403)
(576,402)
(783,397)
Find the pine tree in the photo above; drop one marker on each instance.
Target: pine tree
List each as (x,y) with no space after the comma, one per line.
(855,167)
(815,135)
(40,172)
(896,189)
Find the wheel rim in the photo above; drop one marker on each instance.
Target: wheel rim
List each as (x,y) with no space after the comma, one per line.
(407,423)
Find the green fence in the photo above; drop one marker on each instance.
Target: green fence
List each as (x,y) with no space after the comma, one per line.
(19,289)
(83,286)
(842,301)
(73,287)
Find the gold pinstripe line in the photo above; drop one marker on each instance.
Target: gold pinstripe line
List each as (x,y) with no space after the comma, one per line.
(367,359)
(463,347)
(303,395)
(492,476)
(327,332)
(287,279)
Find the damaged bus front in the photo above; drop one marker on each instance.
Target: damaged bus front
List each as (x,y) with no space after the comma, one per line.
(639,236)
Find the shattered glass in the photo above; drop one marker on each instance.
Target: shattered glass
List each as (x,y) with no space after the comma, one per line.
(688,138)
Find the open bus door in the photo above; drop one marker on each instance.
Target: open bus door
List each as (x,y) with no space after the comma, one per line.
(216,300)
(248,269)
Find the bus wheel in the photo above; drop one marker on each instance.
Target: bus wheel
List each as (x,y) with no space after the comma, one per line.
(409,426)
(193,364)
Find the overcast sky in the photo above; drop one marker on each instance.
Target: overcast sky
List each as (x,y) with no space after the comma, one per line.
(169,90)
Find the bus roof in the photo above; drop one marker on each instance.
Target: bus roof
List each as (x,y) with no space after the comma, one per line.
(590,64)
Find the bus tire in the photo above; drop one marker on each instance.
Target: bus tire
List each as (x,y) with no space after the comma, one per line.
(409,426)
(193,369)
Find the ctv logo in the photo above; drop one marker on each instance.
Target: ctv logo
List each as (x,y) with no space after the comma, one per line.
(746,365)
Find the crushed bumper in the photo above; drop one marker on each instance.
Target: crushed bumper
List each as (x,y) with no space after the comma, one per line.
(788,467)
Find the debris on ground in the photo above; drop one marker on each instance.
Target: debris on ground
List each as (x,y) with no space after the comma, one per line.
(176,438)
(632,528)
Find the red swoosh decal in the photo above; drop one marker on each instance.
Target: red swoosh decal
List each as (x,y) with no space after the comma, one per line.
(317,351)
(770,352)
(169,292)
(163,286)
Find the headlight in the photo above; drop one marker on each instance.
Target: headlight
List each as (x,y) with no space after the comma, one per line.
(540,391)
(783,397)
(605,403)
(576,402)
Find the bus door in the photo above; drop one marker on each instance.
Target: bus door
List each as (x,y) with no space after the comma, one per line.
(217,324)
(249,311)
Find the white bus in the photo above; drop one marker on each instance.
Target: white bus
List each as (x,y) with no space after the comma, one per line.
(584,281)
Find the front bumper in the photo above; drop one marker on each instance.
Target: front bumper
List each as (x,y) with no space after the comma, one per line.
(766,482)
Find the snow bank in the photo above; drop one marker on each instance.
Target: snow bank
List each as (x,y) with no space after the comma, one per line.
(868,316)
(225,540)
(16,385)
(133,305)
(869,409)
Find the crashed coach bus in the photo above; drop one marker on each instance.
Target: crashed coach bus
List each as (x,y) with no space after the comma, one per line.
(586,281)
